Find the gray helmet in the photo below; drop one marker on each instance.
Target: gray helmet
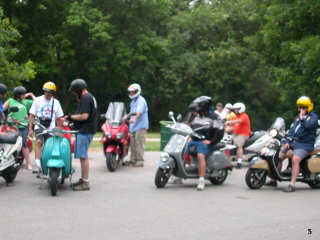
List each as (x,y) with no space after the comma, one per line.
(77,85)
(17,91)
(3,88)
(203,103)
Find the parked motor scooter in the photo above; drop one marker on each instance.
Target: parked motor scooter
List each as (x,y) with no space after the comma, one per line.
(56,159)
(173,161)
(10,146)
(265,164)
(115,135)
(256,141)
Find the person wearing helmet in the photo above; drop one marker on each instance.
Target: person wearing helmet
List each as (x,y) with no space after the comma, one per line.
(139,125)
(49,111)
(304,131)
(85,121)
(230,116)
(19,100)
(241,130)
(212,135)
(3,91)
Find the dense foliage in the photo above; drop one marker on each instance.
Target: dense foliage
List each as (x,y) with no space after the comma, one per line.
(263,53)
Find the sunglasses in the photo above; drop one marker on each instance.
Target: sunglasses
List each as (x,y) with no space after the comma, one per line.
(302,107)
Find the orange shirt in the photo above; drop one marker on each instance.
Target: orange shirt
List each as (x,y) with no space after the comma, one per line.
(242,128)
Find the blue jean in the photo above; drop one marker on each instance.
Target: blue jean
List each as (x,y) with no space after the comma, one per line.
(82,145)
(205,149)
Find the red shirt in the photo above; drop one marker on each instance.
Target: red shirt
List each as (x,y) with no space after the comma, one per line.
(242,128)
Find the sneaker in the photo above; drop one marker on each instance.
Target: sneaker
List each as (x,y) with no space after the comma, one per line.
(201,186)
(239,166)
(30,167)
(138,164)
(77,183)
(83,186)
(271,183)
(175,180)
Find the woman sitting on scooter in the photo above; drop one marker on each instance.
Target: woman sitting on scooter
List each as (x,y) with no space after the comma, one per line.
(18,100)
(212,135)
(304,131)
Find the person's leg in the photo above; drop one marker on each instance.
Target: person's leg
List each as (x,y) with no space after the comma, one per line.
(133,148)
(139,145)
(84,168)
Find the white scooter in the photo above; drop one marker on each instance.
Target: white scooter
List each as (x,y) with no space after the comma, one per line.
(10,146)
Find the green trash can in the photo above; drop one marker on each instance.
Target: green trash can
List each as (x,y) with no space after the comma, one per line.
(165,134)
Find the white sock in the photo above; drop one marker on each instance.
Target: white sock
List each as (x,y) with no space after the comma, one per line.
(38,163)
(201,179)
(85,180)
(239,160)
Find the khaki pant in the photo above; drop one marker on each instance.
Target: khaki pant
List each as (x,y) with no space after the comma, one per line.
(137,144)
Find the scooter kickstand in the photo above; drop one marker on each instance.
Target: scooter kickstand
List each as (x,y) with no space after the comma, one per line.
(42,178)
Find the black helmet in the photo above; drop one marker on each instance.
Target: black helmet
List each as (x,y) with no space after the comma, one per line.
(17,91)
(203,103)
(77,85)
(3,88)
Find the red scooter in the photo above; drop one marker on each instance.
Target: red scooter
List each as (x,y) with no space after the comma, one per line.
(115,135)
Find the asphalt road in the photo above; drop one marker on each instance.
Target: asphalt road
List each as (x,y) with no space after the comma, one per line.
(127,205)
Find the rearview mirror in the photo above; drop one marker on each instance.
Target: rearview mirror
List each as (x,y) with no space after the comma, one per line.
(171,115)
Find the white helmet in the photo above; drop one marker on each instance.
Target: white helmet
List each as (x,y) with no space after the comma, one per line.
(240,106)
(135,89)
(228,105)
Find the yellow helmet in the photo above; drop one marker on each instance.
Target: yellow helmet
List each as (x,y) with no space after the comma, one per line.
(49,87)
(305,101)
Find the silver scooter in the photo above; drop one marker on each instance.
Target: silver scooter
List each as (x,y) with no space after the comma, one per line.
(174,160)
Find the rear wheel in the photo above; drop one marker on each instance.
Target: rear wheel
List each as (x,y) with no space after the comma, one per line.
(314,184)
(54,173)
(112,163)
(162,177)
(219,180)
(255,178)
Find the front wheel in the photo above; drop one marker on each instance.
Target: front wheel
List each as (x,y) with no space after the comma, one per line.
(112,163)
(54,173)
(314,184)
(219,180)
(255,178)
(162,177)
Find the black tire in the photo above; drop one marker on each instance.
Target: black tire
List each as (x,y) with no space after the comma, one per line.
(10,174)
(314,184)
(256,178)
(111,161)
(219,180)
(162,177)
(54,173)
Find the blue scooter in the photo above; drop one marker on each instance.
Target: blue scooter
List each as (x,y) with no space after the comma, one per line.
(56,160)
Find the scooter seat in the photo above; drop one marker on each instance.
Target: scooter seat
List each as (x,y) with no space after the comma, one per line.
(219,146)
(9,137)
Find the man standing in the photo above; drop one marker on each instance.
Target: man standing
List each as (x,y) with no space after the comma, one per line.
(49,111)
(241,129)
(85,121)
(139,124)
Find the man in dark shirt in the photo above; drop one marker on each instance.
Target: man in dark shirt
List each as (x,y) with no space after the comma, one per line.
(85,122)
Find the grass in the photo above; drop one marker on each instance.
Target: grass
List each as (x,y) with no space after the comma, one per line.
(150,145)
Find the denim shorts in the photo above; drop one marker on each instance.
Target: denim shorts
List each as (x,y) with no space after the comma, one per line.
(205,149)
(82,145)
(24,134)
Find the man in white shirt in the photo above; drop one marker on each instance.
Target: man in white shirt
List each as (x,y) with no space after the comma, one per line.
(49,111)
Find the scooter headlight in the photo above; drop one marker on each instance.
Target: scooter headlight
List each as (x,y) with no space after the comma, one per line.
(108,134)
(273,132)
(65,123)
(119,135)
(164,157)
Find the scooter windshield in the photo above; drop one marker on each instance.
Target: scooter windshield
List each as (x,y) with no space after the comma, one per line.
(115,112)
(280,125)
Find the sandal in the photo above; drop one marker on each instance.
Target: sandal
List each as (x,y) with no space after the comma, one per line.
(288,188)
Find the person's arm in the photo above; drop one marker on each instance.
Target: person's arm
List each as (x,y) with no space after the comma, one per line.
(33,97)
(31,118)
(136,116)
(80,117)
(6,105)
